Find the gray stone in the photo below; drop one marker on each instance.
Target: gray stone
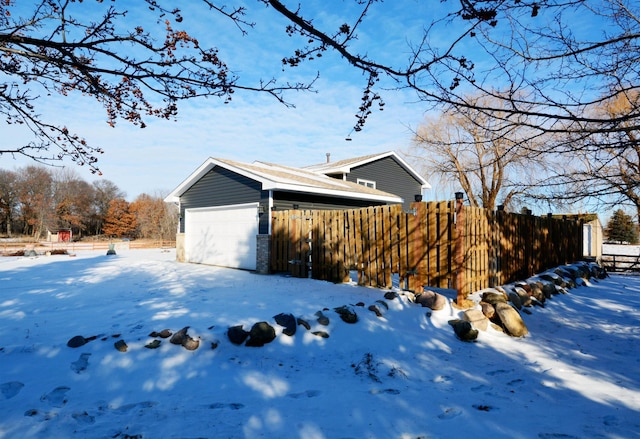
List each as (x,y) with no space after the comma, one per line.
(303,322)
(347,314)
(288,322)
(375,309)
(511,320)
(476,318)
(179,336)
(432,300)
(237,335)
(548,288)
(525,298)
(383,304)
(155,344)
(463,330)
(322,319)
(261,333)
(321,334)
(77,341)
(514,298)
(553,277)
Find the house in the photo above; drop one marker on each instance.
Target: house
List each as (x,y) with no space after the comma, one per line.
(224,205)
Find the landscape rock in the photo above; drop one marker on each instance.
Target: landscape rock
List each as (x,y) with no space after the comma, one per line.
(432,300)
(548,288)
(190,343)
(347,314)
(288,322)
(322,319)
(165,333)
(514,298)
(260,334)
(463,330)
(237,335)
(179,336)
(525,298)
(476,318)
(383,304)
(494,297)
(321,334)
(153,345)
(511,320)
(121,346)
(488,309)
(303,322)
(390,295)
(77,341)
(375,310)
(553,277)
(536,291)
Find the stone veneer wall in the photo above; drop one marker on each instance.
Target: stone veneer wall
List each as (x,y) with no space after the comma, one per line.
(263,253)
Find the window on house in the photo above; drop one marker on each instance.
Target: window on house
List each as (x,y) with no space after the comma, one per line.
(367,183)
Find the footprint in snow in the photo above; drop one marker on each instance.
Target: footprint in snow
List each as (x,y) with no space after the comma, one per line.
(136,405)
(10,389)
(44,416)
(442,379)
(387,391)
(83,418)
(81,364)
(222,405)
(305,394)
(450,413)
(497,372)
(57,397)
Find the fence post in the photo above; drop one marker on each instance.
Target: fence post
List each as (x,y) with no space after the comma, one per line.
(459,249)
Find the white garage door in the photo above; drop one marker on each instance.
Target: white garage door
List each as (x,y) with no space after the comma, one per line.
(224,235)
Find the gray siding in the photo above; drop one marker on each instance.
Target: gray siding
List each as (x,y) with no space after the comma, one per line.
(220,187)
(390,177)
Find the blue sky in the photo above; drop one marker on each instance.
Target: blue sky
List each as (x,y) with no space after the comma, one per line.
(254,126)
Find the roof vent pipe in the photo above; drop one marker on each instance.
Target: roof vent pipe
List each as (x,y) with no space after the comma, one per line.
(328,157)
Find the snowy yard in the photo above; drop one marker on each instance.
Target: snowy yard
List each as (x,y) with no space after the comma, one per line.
(401,375)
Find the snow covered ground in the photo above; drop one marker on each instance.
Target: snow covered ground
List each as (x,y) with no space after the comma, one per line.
(402,375)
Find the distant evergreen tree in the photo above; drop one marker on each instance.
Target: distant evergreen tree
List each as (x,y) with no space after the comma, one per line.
(621,228)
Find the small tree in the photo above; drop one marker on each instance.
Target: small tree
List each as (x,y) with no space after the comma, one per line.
(621,228)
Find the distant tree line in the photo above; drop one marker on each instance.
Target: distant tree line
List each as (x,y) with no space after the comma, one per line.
(37,199)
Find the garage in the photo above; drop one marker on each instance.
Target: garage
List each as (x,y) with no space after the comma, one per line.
(224,235)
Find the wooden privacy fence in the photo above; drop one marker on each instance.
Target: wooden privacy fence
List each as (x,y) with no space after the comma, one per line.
(436,244)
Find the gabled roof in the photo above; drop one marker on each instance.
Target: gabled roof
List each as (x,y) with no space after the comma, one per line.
(283,178)
(345,166)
